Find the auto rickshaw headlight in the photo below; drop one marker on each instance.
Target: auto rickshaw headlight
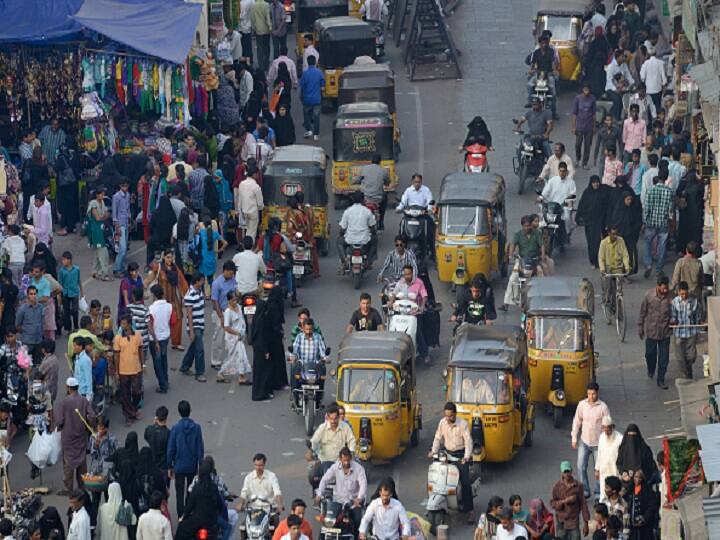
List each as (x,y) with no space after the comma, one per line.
(560,395)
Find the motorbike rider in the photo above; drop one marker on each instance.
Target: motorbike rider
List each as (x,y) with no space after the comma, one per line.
(356,227)
(543,59)
(480,293)
(540,124)
(327,441)
(420,195)
(249,265)
(613,258)
(261,483)
(552,164)
(297,508)
(350,482)
(308,348)
(372,179)
(559,189)
(453,434)
(410,283)
(478,132)
(395,261)
(387,515)
(366,318)
(527,244)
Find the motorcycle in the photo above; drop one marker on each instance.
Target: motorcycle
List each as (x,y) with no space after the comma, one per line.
(552,221)
(335,520)
(476,158)
(307,397)
(413,226)
(14,393)
(526,268)
(443,484)
(402,315)
(357,257)
(260,520)
(379,31)
(542,90)
(529,158)
(302,260)
(249,307)
(474,310)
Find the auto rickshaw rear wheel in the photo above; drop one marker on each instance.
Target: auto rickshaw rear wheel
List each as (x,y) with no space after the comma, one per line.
(528,442)
(415,437)
(557,413)
(322,246)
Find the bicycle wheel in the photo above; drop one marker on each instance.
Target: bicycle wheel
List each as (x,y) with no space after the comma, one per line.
(620,320)
(606,312)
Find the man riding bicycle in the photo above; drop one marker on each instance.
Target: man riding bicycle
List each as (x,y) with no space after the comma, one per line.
(613,258)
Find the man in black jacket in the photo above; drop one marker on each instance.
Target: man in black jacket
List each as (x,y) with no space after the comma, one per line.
(157,435)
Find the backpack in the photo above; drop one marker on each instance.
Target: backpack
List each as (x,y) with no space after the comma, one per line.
(124,516)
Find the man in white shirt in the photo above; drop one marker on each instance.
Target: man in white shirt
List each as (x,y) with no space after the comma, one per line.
(80,521)
(294,522)
(374,10)
(419,194)
(357,227)
(647,179)
(234,40)
(350,482)
(309,50)
(159,314)
(652,74)
(261,483)
(646,106)
(263,149)
(33,209)
(153,525)
(551,165)
(245,28)
(249,265)
(598,18)
(387,516)
(607,451)
(558,189)
(618,81)
(249,202)
(508,529)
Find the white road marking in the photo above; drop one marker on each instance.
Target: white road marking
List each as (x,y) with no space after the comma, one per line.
(288,454)
(270,428)
(420,134)
(223,431)
(297,440)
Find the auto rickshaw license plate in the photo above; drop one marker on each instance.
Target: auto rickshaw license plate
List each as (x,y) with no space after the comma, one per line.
(249,310)
(298,270)
(288,18)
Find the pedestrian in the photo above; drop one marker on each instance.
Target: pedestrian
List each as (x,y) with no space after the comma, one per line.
(153,525)
(121,221)
(38,177)
(210,243)
(634,455)
(658,212)
(489,521)
(160,315)
(196,182)
(261,26)
(284,126)
(245,29)
(568,501)
(9,293)
(595,61)
(652,73)
(14,249)
(279,28)
(139,317)
(128,284)
(170,277)
(204,505)
(125,462)
(634,171)
(79,528)
(612,497)
(634,131)
(654,328)
(97,214)
(221,286)
(508,529)
(608,136)
(591,214)
(692,216)
(108,526)
(613,167)
(686,316)
(268,351)
(29,320)
(309,50)
(157,435)
(82,370)
(250,203)
(128,347)
(540,524)
(72,291)
(150,477)
(43,220)
(627,218)
(643,508)
(49,367)
(70,418)
(583,124)
(690,270)
(52,137)
(311,84)
(194,305)
(161,223)
(587,423)
(606,462)
(236,362)
(185,451)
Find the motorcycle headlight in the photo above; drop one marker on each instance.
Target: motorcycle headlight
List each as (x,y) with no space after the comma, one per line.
(256,531)
(527,147)
(329,522)
(551,218)
(309,376)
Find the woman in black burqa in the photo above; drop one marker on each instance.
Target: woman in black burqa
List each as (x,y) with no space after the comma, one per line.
(627,217)
(125,470)
(269,372)
(161,225)
(591,214)
(203,505)
(634,454)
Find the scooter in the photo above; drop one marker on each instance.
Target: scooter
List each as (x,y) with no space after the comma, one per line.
(307,398)
(302,260)
(443,483)
(476,158)
(358,260)
(529,158)
(260,520)
(413,226)
(402,315)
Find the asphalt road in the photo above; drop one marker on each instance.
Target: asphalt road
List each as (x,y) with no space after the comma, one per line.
(494,38)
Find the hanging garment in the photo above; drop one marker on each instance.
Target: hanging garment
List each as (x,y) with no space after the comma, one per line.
(168,92)
(119,87)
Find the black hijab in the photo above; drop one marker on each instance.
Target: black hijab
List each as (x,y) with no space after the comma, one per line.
(284,129)
(50,521)
(634,453)
(628,219)
(162,220)
(42,253)
(592,208)
(478,128)
(211,200)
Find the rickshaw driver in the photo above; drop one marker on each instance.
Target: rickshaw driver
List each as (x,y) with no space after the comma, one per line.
(366,391)
(555,338)
(372,179)
(420,195)
(356,227)
(454,434)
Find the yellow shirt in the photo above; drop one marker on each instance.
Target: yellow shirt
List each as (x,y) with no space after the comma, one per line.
(128,351)
(613,257)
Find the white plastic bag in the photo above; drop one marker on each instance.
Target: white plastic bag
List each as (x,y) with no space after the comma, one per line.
(54,456)
(83,305)
(40,449)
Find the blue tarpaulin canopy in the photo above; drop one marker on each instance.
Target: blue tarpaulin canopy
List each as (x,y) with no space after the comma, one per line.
(38,21)
(162,28)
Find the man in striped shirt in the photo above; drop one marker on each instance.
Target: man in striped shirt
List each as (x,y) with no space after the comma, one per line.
(52,137)
(685,312)
(139,313)
(396,260)
(194,304)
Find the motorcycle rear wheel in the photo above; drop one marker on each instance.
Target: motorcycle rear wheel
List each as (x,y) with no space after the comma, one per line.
(309,416)
(522,176)
(357,280)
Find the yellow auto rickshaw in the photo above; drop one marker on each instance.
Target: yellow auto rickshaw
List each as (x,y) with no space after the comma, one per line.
(340,41)
(564,18)
(309,11)
(370,82)
(376,386)
(558,324)
(360,131)
(487,379)
(354,8)
(292,169)
(471,232)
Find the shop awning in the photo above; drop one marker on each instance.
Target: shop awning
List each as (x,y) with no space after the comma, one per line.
(38,21)
(162,28)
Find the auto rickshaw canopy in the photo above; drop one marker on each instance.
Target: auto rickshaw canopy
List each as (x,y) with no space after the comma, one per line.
(485,189)
(308,11)
(342,39)
(578,8)
(362,130)
(497,347)
(368,83)
(294,168)
(377,348)
(559,296)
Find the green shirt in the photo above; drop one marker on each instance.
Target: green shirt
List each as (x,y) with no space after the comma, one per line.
(528,245)
(260,18)
(85,333)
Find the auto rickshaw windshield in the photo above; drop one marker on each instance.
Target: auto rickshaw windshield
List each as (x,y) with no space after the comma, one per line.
(556,334)
(361,143)
(480,387)
(368,386)
(464,221)
(563,28)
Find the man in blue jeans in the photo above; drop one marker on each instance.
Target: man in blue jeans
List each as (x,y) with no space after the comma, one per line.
(585,433)
(658,210)
(194,304)
(121,221)
(159,315)
(311,85)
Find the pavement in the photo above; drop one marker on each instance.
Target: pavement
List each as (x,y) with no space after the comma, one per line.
(494,38)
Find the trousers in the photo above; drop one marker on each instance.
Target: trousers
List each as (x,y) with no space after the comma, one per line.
(160,362)
(466,495)
(182,481)
(583,142)
(69,472)
(583,460)
(657,354)
(311,118)
(686,354)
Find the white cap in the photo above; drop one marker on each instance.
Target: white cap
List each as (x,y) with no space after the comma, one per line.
(607,421)
(72,382)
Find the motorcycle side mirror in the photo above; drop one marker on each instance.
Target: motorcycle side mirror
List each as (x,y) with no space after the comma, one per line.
(432,202)
(308,444)
(538,190)
(327,351)
(290,349)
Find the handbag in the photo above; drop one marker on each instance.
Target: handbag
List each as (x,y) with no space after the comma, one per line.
(124,516)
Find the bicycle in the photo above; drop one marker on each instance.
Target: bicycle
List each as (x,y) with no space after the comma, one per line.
(614,304)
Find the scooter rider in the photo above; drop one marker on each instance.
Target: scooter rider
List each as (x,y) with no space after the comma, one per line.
(357,227)
(540,124)
(454,434)
(372,179)
(410,283)
(350,485)
(420,195)
(308,348)
(396,260)
(387,515)
(558,190)
(527,243)
(261,483)
(544,59)
(479,293)
(327,441)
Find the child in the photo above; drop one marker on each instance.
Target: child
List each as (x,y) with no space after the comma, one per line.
(96,316)
(14,247)
(100,367)
(107,323)
(107,339)
(519,515)
(49,367)
(69,279)
(139,314)
(83,366)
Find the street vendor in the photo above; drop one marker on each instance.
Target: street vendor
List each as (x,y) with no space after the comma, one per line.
(72,414)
